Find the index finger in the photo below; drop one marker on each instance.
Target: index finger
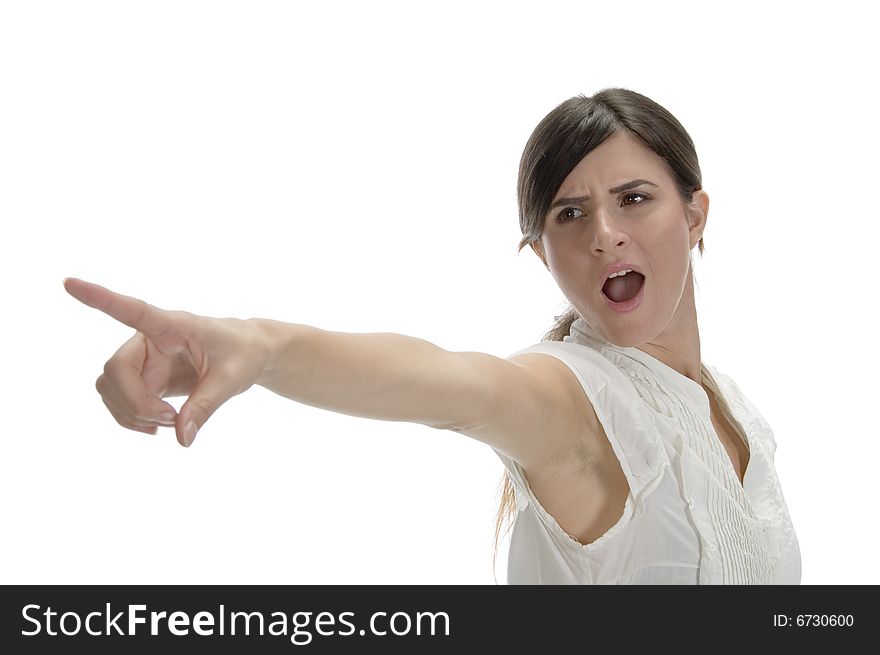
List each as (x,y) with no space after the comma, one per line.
(133,312)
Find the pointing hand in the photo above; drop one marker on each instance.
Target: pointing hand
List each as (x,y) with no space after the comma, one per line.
(173,353)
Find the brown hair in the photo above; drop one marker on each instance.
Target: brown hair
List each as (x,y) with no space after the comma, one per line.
(560,141)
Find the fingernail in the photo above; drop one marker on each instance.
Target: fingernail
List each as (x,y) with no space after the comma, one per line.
(167,418)
(189,433)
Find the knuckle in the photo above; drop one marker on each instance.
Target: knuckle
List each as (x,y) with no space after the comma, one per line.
(176,327)
(205,406)
(111,366)
(192,327)
(178,320)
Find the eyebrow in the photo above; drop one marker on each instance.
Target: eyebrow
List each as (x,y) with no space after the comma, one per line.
(623,187)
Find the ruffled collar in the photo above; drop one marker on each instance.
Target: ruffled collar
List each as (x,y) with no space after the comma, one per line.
(630,357)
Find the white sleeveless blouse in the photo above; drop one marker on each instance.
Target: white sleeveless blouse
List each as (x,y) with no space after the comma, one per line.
(687,519)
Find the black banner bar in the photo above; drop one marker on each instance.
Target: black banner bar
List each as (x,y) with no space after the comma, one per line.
(387,619)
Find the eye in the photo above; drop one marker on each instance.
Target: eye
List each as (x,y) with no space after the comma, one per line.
(567,214)
(638,195)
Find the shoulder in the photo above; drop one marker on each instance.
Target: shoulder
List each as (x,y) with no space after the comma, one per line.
(556,369)
(553,373)
(561,379)
(617,446)
(579,371)
(584,487)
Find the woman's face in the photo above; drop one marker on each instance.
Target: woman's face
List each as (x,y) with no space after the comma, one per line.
(648,225)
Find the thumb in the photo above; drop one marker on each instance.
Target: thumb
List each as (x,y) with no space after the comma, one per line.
(206,398)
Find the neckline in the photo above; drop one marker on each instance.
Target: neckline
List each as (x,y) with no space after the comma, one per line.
(582,333)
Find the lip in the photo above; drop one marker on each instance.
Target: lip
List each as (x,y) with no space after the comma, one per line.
(628,305)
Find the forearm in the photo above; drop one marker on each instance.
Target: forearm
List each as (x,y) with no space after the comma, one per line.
(384,376)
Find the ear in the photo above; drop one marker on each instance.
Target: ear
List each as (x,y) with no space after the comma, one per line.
(538,247)
(697,214)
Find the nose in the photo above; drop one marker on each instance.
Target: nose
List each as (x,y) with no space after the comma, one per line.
(608,235)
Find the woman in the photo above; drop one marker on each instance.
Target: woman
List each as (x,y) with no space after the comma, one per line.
(628,460)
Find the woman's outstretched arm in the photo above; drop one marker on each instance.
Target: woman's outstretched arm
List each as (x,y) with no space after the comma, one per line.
(530,409)
(386,376)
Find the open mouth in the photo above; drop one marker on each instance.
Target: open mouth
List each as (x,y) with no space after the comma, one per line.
(623,287)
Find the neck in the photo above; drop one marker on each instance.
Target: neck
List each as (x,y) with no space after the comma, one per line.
(678,346)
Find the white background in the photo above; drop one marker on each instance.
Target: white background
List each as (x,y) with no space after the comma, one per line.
(353,166)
